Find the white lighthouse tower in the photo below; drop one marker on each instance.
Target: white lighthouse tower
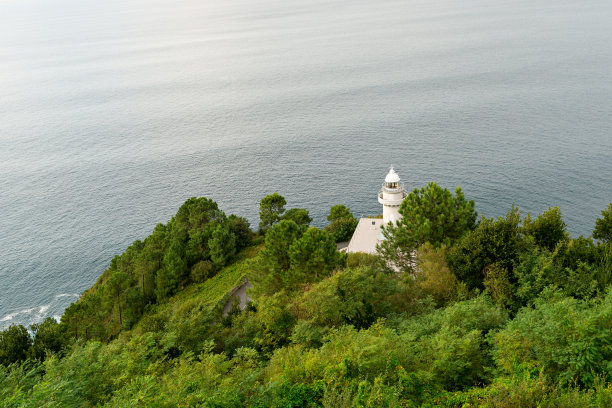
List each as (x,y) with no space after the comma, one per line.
(391,196)
(368,233)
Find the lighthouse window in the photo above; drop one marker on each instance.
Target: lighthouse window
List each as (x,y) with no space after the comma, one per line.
(392,185)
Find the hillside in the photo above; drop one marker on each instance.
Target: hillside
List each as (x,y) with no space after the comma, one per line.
(455,311)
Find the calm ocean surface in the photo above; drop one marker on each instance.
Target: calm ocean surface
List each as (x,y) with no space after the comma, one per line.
(112,113)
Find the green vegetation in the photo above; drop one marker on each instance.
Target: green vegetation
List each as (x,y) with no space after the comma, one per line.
(292,256)
(494,242)
(271,208)
(342,223)
(603,226)
(15,342)
(505,312)
(432,215)
(548,229)
(298,215)
(190,248)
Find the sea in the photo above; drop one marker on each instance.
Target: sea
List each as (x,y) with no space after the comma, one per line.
(114,112)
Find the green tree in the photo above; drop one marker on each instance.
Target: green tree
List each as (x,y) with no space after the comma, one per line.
(114,291)
(575,251)
(432,214)
(579,267)
(134,305)
(196,213)
(498,283)
(276,320)
(166,284)
(271,207)
(273,262)
(222,246)
(93,315)
(494,241)
(547,229)
(313,256)
(429,214)
(48,337)
(603,226)
(157,243)
(339,211)
(342,223)
(86,318)
(342,229)
(175,262)
(298,215)
(568,339)
(144,274)
(202,271)
(191,229)
(355,296)
(240,227)
(151,260)
(15,343)
(435,278)
(189,233)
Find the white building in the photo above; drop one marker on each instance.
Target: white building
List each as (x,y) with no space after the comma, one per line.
(368,233)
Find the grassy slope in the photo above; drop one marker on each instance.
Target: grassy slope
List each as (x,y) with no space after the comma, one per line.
(202,299)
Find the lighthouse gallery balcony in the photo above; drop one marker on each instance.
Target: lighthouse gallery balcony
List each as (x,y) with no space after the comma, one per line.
(395,199)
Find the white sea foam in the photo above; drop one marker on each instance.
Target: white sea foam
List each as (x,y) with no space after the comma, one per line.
(11,316)
(33,314)
(7,317)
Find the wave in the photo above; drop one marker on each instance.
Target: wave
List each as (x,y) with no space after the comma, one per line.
(8,317)
(11,316)
(38,313)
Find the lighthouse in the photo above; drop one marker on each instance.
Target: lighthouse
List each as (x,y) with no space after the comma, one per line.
(391,196)
(368,233)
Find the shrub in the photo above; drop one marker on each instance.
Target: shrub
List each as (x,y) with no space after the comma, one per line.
(570,341)
(498,283)
(434,276)
(494,241)
(603,226)
(202,271)
(355,259)
(342,229)
(547,229)
(15,343)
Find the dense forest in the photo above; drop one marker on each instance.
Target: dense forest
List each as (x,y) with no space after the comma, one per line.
(453,311)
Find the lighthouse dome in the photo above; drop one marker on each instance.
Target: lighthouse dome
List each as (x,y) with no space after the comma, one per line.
(392,177)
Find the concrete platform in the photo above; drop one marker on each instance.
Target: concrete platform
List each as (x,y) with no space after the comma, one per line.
(366,236)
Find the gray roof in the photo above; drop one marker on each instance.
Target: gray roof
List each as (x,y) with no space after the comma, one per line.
(366,236)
